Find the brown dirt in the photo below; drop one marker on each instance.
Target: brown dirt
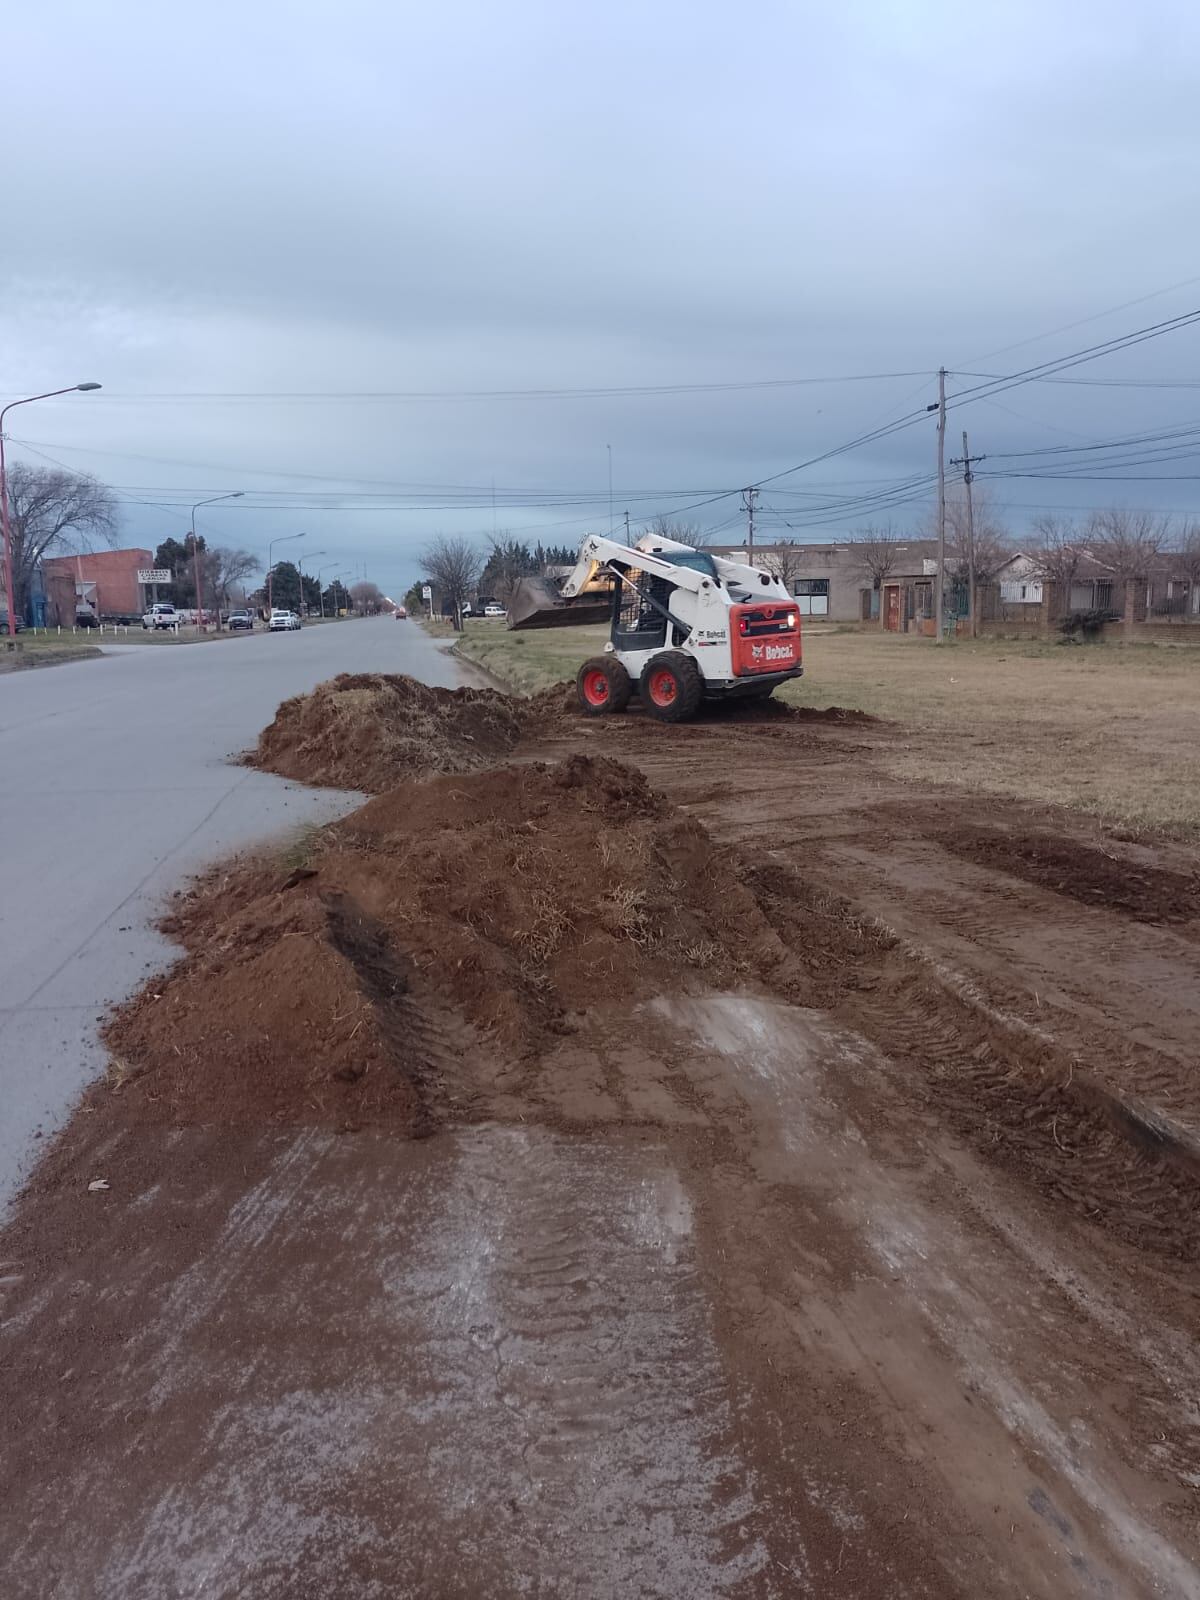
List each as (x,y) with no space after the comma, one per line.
(372,730)
(1095,875)
(748,1184)
(512,897)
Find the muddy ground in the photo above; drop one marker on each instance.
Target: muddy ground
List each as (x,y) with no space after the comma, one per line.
(671,1162)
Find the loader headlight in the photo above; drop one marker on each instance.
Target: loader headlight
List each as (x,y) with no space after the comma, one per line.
(791,621)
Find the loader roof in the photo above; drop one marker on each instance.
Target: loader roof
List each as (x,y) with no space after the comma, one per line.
(696,560)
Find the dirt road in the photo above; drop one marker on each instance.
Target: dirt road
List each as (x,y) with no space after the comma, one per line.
(822,1222)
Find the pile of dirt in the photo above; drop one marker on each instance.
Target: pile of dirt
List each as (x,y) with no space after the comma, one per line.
(370,731)
(500,905)
(1094,876)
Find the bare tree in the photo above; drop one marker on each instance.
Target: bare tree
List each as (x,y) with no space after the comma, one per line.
(53,512)
(979,542)
(682,532)
(367,597)
(224,568)
(1187,556)
(454,564)
(786,560)
(1127,543)
(876,555)
(1055,553)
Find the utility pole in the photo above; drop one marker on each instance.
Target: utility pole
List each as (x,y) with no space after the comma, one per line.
(628,540)
(608,447)
(940,597)
(968,478)
(749,496)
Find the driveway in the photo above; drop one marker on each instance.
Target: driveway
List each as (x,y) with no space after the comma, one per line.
(117,783)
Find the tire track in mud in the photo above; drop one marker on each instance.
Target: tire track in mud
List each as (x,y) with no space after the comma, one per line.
(1006,1084)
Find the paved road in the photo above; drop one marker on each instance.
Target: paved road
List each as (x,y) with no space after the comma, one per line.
(116,783)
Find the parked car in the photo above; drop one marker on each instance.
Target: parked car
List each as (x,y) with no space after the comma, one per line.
(4,623)
(283,622)
(86,619)
(241,619)
(492,609)
(161,615)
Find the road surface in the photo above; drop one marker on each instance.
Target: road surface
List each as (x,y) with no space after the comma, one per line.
(117,783)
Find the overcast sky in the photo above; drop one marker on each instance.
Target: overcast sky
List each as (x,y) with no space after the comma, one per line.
(236,217)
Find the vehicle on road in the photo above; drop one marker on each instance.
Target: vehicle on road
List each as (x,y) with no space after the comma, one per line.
(400,613)
(4,623)
(685,626)
(241,619)
(283,622)
(86,619)
(161,615)
(494,609)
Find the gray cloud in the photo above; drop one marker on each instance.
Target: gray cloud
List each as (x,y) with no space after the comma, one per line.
(363,198)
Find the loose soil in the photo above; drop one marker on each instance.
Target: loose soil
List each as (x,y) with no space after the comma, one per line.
(371,730)
(648,1160)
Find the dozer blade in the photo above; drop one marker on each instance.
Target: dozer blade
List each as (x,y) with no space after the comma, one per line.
(536,603)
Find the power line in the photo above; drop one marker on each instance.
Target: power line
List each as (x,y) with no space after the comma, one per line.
(618,391)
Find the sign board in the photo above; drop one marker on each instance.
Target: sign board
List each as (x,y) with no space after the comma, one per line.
(426,591)
(153,575)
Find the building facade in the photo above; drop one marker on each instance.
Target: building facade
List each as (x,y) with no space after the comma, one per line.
(104,582)
(833,582)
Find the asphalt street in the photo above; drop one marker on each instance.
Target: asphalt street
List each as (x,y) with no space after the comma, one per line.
(117,783)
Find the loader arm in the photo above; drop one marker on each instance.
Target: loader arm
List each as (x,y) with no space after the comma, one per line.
(597,553)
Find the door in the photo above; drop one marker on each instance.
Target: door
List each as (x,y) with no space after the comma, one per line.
(891,609)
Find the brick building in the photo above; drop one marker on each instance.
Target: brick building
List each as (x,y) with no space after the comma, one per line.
(102,581)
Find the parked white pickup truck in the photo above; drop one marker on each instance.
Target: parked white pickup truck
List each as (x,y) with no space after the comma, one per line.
(161,615)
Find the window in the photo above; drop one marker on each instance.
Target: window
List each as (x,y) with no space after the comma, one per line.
(812,596)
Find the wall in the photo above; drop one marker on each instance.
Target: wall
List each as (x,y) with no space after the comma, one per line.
(114,574)
(839,565)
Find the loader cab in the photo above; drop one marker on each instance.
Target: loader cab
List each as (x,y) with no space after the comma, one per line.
(637,624)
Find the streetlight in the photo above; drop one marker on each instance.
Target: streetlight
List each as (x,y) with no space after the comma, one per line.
(282,539)
(74,388)
(234,494)
(320,591)
(300,570)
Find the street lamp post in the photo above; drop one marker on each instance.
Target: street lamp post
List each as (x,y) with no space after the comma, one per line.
(234,494)
(282,539)
(10,597)
(300,570)
(320,591)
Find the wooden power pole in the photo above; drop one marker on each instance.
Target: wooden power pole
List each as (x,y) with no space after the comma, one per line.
(749,496)
(968,478)
(940,597)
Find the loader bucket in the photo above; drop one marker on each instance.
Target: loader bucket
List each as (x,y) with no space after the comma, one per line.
(536,603)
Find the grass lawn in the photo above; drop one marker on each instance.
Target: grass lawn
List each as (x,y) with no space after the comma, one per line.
(1108,729)
(44,650)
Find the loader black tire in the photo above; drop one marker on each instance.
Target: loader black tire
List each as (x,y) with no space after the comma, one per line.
(603,686)
(671,687)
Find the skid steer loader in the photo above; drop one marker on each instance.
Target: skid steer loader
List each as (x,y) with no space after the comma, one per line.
(685,626)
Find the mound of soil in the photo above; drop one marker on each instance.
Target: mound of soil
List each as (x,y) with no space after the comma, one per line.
(370,731)
(1094,876)
(502,902)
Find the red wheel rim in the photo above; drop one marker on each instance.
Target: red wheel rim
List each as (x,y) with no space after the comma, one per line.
(596,687)
(663,688)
